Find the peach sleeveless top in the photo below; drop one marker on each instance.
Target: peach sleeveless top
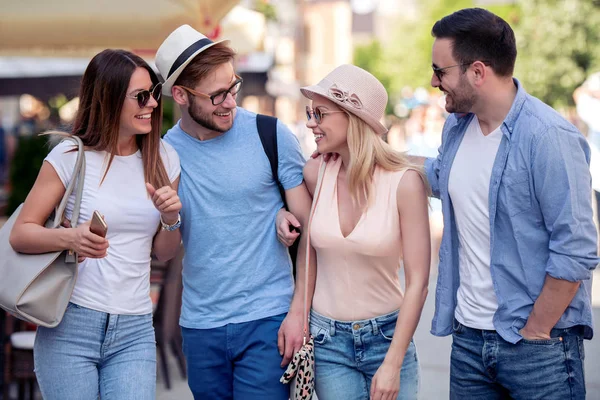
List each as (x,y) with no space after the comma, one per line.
(357,275)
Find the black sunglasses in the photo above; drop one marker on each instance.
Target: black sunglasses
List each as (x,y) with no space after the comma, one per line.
(319,114)
(439,72)
(143,96)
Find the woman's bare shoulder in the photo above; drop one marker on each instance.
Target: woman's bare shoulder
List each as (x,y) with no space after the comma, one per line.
(411,185)
(311,173)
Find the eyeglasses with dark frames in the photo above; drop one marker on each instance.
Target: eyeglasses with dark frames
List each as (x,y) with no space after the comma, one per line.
(318,113)
(440,72)
(218,98)
(143,96)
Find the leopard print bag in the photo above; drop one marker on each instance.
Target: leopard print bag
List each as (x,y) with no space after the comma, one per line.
(300,373)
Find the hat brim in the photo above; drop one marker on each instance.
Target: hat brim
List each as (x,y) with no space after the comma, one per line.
(310,91)
(168,83)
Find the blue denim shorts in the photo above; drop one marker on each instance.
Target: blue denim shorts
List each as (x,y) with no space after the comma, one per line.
(93,353)
(348,354)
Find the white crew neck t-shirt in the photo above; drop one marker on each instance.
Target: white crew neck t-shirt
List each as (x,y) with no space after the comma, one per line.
(120,282)
(469,186)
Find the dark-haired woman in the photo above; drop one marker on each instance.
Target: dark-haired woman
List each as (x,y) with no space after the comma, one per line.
(105,345)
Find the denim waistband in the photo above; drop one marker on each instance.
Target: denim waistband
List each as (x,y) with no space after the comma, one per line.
(577,330)
(371,324)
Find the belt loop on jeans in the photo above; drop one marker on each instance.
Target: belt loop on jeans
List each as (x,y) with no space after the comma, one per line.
(331,327)
(375,328)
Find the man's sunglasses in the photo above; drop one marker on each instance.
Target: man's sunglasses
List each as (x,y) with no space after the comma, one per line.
(218,98)
(440,72)
(143,96)
(318,113)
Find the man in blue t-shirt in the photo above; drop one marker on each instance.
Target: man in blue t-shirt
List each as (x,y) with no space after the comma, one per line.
(241,318)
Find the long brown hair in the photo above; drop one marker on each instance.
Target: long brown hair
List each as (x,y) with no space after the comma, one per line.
(101,97)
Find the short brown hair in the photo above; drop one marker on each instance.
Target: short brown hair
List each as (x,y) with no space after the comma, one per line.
(205,63)
(479,35)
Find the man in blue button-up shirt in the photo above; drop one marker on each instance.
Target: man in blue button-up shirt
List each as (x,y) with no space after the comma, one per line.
(519,242)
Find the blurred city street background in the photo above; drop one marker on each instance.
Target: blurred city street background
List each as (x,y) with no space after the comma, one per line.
(282,45)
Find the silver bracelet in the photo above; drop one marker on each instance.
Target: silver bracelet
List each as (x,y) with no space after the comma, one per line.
(168,227)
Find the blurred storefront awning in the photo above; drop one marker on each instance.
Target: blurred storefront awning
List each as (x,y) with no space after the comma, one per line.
(244,28)
(45,46)
(84,27)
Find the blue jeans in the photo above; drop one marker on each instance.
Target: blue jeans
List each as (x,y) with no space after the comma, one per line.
(235,361)
(348,354)
(93,353)
(485,366)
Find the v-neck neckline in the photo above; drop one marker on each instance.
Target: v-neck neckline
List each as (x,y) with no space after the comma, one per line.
(337,206)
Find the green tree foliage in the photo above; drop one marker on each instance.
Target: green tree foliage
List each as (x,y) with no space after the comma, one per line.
(370,57)
(559,45)
(267,9)
(411,53)
(27,161)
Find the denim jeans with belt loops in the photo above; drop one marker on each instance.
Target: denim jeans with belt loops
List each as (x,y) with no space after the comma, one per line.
(92,353)
(348,354)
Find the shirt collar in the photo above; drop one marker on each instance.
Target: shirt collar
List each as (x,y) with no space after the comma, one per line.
(513,113)
(515,109)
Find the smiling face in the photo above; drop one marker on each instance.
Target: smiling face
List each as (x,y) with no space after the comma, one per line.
(460,94)
(135,120)
(214,118)
(331,135)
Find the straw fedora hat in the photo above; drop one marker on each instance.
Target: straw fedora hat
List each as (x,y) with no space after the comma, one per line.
(177,51)
(356,91)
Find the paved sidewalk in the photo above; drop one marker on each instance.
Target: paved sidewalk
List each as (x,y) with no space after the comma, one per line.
(434,355)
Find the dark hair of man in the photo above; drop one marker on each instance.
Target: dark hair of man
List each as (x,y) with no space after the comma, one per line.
(205,63)
(101,97)
(479,35)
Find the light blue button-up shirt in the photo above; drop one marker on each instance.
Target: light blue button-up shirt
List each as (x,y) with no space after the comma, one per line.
(540,211)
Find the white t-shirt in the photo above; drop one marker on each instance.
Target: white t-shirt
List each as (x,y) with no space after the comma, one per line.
(469,185)
(120,282)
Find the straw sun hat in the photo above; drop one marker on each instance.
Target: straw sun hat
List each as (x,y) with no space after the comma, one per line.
(177,51)
(356,91)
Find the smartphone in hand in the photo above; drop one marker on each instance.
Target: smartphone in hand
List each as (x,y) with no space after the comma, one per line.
(98,225)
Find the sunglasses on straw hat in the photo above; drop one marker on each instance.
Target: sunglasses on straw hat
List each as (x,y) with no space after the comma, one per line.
(143,96)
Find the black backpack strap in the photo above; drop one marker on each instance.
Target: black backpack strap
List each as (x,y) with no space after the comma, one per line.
(267,131)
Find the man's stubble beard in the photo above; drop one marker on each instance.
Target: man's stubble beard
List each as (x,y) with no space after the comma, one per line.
(204,120)
(463,98)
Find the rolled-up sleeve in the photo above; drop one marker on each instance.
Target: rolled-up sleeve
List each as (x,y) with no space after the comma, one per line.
(562,184)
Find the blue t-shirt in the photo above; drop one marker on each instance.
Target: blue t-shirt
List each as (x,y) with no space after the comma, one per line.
(234,270)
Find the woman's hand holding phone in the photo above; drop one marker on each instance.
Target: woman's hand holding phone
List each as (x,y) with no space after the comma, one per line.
(86,243)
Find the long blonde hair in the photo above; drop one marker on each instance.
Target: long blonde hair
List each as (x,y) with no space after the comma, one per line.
(367,149)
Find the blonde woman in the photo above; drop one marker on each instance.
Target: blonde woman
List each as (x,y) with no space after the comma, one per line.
(370,215)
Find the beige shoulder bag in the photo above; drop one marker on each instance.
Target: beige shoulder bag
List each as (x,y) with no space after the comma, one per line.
(37,287)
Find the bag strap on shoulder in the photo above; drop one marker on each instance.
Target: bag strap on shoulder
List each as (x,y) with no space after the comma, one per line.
(77,177)
(322,167)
